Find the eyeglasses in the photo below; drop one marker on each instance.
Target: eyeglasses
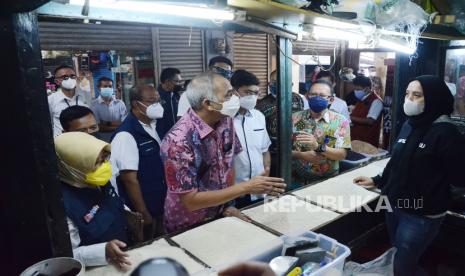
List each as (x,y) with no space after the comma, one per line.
(65,77)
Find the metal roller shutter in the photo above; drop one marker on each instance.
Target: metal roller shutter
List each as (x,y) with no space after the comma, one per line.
(308,46)
(181,48)
(251,54)
(79,36)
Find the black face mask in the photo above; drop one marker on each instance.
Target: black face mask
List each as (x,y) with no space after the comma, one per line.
(177,88)
(97,135)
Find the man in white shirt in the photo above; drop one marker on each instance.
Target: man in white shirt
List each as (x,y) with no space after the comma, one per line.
(108,110)
(65,78)
(250,126)
(135,159)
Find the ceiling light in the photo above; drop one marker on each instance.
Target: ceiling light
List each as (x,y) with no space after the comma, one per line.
(330,33)
(177,10)
(396,46)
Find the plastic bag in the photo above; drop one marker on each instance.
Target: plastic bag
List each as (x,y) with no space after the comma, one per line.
(397,15)
(381,266)
(294,3)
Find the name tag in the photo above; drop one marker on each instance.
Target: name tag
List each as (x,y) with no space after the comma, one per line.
(90,216)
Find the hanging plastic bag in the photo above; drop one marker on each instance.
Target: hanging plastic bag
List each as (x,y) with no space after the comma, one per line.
(381,266)
(293,3)
(398,15)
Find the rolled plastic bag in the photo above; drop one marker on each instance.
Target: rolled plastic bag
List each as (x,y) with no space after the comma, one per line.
(381,266)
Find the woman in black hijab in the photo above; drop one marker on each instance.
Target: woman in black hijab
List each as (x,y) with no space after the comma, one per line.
(426,160)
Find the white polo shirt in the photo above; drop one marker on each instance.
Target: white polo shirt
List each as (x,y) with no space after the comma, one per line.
(251,131)
(183,105)
(124,151)
(340,106)
(57,102)
(375,109)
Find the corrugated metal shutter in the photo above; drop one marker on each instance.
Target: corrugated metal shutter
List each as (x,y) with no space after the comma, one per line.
(251,54)
(79,36)
(308,46)
(181,48)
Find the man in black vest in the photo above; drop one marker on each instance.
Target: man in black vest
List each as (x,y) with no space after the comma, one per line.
(170,84)
(136,160)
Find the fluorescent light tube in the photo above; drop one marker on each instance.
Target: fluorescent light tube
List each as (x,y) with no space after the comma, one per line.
(324,32)
(384,43)
(138,6)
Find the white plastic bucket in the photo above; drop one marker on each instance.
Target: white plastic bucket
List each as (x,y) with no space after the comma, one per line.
(55,267)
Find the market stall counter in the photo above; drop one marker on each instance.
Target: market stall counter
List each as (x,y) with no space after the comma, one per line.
(206,248)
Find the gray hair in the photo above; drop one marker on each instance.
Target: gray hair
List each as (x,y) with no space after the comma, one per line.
(200,89)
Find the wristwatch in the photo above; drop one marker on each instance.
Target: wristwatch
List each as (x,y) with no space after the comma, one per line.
(321,148)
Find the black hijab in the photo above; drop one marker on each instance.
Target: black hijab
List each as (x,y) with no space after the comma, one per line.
(438,101)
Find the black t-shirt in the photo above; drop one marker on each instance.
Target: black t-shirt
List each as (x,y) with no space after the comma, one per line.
(436,165)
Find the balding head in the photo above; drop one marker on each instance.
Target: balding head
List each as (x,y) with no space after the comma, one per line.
(207,87)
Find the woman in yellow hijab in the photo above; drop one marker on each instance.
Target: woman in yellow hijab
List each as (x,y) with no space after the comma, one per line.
(96,222)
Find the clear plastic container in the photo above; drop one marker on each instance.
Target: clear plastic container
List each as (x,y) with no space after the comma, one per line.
(333,267)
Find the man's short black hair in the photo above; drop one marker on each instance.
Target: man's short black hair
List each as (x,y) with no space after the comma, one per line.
(168,74)
(243,78)
(362,81)
(63,66)
(326,74)
(220,59)
(72,113)
(99,82)
(325,82)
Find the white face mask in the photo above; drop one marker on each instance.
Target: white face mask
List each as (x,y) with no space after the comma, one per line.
(231,106)
(68,84)
(412,108)
(154,111)
(248,102)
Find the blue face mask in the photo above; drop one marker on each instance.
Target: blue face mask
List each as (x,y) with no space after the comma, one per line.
(106,92)
(317,104)
(359,94)
(273,89)
(225,73)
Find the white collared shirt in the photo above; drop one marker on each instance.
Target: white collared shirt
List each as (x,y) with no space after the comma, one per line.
(125,153)
(89,255)
(251,131)
(57,102)
(340,106)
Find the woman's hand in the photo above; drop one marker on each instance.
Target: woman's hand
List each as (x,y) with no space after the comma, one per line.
(116,256)
(234,212)
(365,182)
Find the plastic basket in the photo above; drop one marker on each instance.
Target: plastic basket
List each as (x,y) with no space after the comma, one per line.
(345,165)
(332,268)
(382,153)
